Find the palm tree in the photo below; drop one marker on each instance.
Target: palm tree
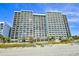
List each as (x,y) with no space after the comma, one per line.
(31,40)
(35,40)
(51,38)
(19,39)
(75,37)
(23,40)
(60,38)
(70,38)
(7,39)
(38,39)
(3,39)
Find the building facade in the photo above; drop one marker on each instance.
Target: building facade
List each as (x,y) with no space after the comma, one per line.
(39,26)
(5,29)
(22,25)
(29,24)
(57,24)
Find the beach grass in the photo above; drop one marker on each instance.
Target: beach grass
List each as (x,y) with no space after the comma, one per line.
(63,42)
(8,45)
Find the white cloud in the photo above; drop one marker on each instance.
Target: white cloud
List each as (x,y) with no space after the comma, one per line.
(74,20)
(52,10)
(68,9)
(71,13)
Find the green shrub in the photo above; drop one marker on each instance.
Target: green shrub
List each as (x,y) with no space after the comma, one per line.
(62,42)
(7,45)
(38,43)
(51,42)
(77,42)
(66,41)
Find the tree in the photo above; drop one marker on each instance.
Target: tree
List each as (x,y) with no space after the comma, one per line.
(38,39)
(31,40)
(19,39)
(3,39)
(53,38)
(23,40)
(49,38)
(70,38)
(75,37)
(7,39)
(46,39)
(60,38)
(1,36)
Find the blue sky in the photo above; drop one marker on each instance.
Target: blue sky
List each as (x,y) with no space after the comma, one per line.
(70,9)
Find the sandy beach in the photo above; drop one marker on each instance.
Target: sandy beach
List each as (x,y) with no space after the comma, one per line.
(48,50)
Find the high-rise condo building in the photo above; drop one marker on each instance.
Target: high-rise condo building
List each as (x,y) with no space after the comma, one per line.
(57,24)
(5,29)
(39,26)
(22,25)
(29,24)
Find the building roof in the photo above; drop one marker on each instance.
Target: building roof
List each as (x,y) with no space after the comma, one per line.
(38,14)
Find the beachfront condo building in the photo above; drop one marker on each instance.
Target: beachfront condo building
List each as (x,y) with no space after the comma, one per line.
(5,29)
(29,24)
